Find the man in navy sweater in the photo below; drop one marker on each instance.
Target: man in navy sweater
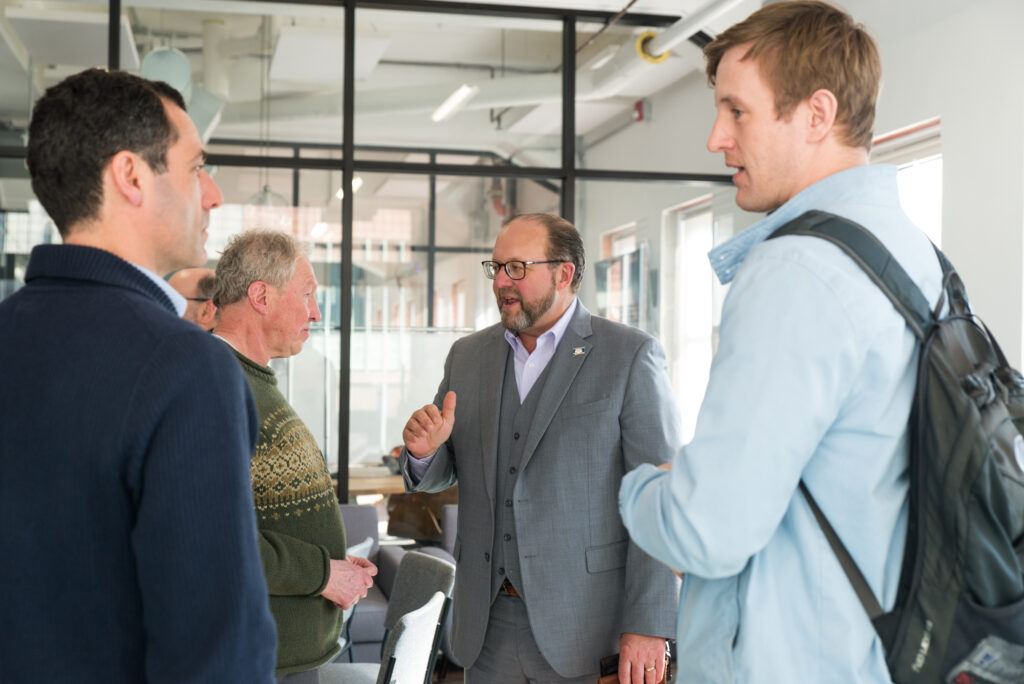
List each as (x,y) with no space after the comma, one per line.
(126,517)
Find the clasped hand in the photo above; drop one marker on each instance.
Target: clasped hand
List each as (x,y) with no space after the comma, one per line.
(349,581)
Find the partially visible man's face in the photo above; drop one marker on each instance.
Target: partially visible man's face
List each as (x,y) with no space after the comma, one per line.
(199,309)
(764,148)
(524,303)
(291,310)
(185,194)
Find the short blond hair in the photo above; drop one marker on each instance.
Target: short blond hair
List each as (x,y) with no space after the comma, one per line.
(806,45)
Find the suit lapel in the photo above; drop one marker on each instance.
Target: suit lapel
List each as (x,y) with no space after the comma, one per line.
(571,354)
(492,376)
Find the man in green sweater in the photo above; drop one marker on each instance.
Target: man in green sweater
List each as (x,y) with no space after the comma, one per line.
(265,292)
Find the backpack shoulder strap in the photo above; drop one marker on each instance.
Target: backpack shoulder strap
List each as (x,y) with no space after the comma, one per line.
(872,256)
(853,573)
(879,264)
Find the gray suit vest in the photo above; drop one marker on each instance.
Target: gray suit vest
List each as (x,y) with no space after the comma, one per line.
(513,426)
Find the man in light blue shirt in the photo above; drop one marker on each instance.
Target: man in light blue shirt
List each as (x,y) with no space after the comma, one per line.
(813,378)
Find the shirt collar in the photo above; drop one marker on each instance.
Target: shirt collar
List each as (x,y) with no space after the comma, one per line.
(554,333)
(179,302)
(874,183)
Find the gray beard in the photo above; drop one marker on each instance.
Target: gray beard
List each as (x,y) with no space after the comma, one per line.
(528,312)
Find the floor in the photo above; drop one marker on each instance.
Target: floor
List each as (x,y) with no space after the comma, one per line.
(454,675)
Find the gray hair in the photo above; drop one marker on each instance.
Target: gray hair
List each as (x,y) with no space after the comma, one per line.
(255,255)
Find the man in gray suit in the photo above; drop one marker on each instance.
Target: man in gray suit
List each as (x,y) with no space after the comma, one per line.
(555,405)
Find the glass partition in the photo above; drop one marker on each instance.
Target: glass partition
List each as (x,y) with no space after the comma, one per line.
(433,90)
(267,71)
(491,84)
(418,286)
(647,247)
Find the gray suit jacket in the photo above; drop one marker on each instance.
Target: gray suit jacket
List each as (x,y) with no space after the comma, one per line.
(602,413)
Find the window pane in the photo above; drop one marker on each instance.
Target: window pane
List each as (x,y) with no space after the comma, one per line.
(39,46)
(665,285)
(489,85)
(413,296)
(920,186)
(249,71)
(623,98)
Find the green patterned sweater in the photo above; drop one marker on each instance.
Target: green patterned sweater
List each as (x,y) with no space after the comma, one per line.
(300,527)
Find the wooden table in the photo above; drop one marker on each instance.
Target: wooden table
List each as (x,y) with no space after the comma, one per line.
(376,484)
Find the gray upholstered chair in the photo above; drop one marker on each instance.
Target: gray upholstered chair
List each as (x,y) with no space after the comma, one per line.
(449,530)
(419,575)
(365,629)
(408,653)
(361,550)
(372,617)
(449,527)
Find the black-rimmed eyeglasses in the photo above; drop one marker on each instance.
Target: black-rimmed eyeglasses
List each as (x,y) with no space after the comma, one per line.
(516,270)
(198,299)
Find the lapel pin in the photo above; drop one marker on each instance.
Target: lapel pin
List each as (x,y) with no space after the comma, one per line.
(578,351)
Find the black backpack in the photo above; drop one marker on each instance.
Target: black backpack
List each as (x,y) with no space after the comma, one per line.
(959,613)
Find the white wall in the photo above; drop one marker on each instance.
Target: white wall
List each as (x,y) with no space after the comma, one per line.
(962,61)
(967,66)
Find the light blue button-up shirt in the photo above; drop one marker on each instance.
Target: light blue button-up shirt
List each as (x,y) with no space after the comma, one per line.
(813,379)
(179,302)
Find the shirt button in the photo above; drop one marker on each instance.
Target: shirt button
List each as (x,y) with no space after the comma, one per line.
(508,537)
(512,470)
(487,556)
(515,435)
(501,571)
(508,502)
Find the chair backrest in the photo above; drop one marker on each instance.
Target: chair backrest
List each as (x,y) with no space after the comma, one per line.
(419,576)
(408,652)
(360,550)
(360,523)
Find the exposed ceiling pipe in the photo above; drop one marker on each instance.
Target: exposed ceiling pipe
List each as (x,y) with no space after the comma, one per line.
(687,26)
(602,83)
(649,51)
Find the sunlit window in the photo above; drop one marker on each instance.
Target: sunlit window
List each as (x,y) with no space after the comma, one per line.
(916,151)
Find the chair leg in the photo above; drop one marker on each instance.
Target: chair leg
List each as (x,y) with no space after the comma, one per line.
(390,669)
(443,665)
(347,633)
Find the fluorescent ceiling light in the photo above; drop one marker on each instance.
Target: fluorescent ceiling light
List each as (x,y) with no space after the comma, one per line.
(357,183)
(455,102)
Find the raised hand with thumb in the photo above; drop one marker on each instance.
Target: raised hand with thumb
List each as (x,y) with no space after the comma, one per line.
(428,428)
